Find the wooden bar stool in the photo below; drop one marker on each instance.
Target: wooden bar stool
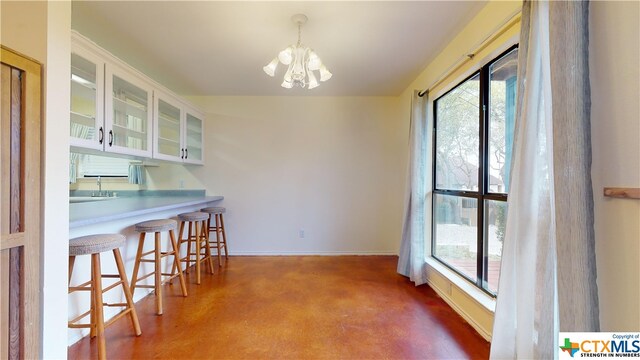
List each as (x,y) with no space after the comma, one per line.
(220,241)
(156,227)
(197,233)
(94,245)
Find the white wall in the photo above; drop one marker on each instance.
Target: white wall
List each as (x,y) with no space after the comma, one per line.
(40,30)
(331,166)
(56,163)
(615,133)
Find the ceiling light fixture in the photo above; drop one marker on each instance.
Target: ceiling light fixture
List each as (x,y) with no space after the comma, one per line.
(302,62)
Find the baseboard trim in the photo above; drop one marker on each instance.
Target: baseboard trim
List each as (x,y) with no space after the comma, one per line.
(313,253)
(480,329)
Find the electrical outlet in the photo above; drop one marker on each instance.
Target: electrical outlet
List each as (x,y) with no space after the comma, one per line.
(301,233)
(181,185)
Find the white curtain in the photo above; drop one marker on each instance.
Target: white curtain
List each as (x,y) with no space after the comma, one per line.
(411,261)
(547,278)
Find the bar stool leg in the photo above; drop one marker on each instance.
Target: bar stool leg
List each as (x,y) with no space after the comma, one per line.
(218,239)
(207,248)
(92,315)
(127,292)
(180,242)
(136,267)
(158,275)
(176,262)
(198,243)
(224,237)
(188,265)
(72,261)
(99,313)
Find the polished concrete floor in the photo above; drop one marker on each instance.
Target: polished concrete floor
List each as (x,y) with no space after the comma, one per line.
(295,307)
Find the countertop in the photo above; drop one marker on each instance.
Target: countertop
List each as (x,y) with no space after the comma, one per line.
(87,213)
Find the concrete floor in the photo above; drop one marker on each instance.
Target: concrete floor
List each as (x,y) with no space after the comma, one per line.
(295,307)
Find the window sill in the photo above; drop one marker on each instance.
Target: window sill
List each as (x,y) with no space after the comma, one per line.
(482,298)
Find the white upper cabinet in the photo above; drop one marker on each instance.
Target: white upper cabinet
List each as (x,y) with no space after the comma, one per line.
(116,109)
(178,130)
(87,96)
(128,112)
(194,137)
(168,130)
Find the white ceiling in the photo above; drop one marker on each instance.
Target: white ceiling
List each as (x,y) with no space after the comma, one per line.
(372,48)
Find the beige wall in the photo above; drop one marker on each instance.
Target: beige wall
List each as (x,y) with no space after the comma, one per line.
(24,27)
(168,176)
(40,30)
(615,133)
(331,166)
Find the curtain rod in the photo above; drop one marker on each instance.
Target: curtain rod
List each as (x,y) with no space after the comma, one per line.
(497,32)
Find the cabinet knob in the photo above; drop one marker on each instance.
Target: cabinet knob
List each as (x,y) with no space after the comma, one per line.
(110,137)
(186,153)
(101,137)
(181,153)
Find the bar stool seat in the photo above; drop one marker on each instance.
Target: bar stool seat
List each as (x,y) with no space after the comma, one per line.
(215,223)
(196,223)
(156,227)
(193,216)
(214,210)
(94,245)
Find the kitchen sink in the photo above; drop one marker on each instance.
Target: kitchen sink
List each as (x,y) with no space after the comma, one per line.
(83,199)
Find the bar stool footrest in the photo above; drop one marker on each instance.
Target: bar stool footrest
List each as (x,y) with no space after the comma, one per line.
(145,286)
(77,318)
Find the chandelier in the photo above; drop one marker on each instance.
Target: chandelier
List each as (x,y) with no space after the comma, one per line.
(301,61)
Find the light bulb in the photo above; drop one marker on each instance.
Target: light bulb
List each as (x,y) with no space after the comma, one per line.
(313,82)
(324,73)
(314,61)
(286,56)
(271,68)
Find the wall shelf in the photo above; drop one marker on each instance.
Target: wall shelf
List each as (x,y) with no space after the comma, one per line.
(624,193)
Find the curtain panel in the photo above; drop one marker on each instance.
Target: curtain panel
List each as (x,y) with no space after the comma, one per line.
(548,271)
(411,261)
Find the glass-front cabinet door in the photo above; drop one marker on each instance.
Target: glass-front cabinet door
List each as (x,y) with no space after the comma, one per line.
(194,130)
(168,128)
(128,113)
(87,96)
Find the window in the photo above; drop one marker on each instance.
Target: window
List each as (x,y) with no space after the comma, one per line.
(473,139)
(95,165)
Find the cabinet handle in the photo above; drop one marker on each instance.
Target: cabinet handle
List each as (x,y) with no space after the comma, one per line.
(101,137)
(110,137)
(181,153)
(186,153)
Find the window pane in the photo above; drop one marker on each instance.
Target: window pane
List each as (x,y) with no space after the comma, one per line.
(457,137)
(496,222)
(96,165)
(456,233)
(502,105)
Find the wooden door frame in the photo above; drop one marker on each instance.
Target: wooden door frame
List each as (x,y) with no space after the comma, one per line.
(30,341)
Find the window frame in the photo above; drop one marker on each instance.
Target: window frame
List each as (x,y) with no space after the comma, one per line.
(483,193)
